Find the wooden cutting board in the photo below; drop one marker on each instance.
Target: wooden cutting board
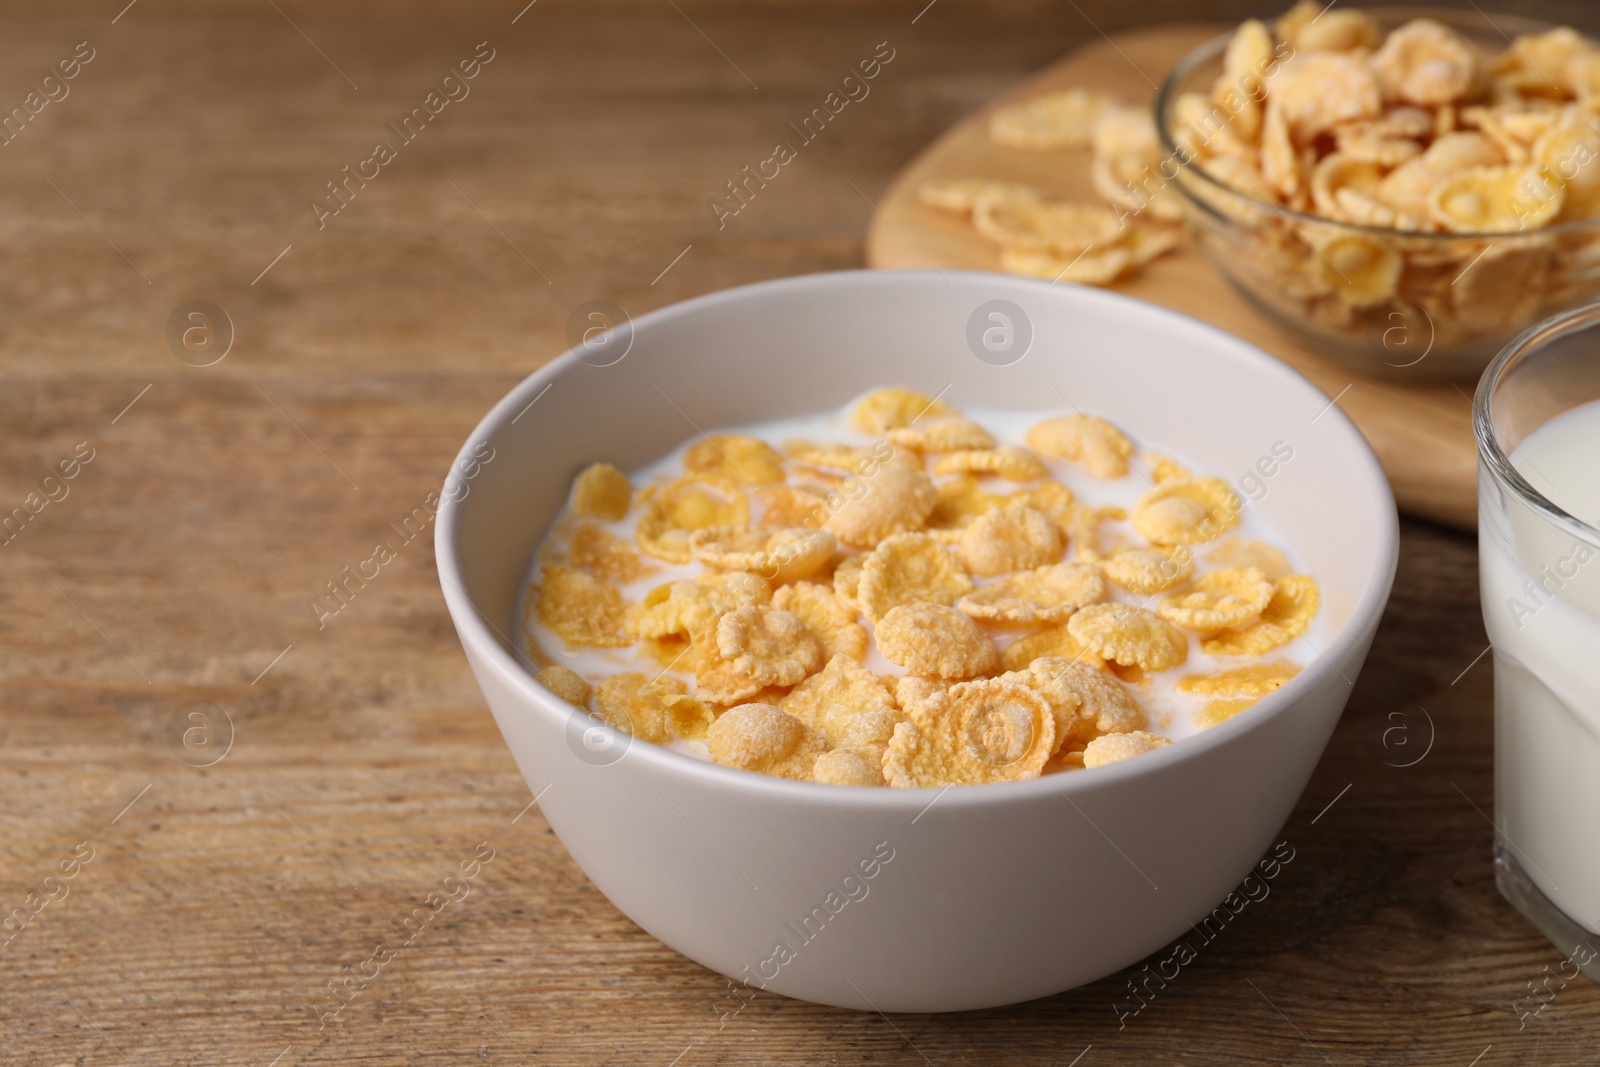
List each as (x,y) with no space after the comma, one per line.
(1421,433)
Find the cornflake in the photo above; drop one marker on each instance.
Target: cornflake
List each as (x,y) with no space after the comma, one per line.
(934,640)
(1052,642)
(673,512)
(1085,531)
(1167,469)
(1147,571)
(1491,200)
(1010,462)
(897,497)
(1052,500)
(1426,62)
(989,731)
(890,409)
(1294,603)
(1022,222)
(564,682)
(909,568)
(1084,242)
(581,609)
(1100,447)
(717,680)
(1360,270)
(1051,122)
(846,704)
(760,737)
(1126,165)
(1311,27)
(1133,637)
(1186,512)
(961,195)
(601,491)
(737,457)
(1254,681)
(1085,701)
(1221,710)
(658,710)
(1009,538)
(1219,600)
(949,433)
(847,582)
(1098,268)
(834,456)
(693,606)
(1555,63)
(780,556)
(1043,595)
(1248,55)
(1232,552)
(567,684)
(961,499)
(843,767)
(768,645)
(1316,91)
(786,506)
(607,556)
(1109,748)
(832,623)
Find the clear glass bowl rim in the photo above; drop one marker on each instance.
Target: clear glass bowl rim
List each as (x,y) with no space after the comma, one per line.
(1384,16)
(1489,451)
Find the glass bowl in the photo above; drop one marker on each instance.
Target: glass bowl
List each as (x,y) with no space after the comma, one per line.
(1459,298)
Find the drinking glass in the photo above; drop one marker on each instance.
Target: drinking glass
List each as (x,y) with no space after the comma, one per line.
(1540,571)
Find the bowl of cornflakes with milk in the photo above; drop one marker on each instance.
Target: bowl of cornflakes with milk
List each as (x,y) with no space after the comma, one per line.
(909,641)
(1406,189)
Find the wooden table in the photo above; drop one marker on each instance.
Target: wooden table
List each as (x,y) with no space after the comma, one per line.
(221,901)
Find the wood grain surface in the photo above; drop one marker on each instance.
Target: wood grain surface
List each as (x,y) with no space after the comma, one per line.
(180,564)
(1420,429)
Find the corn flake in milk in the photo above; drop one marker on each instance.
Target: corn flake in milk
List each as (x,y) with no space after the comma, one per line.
(905,594)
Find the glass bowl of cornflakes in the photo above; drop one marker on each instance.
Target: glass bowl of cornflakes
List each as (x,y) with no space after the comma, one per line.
(1403,189)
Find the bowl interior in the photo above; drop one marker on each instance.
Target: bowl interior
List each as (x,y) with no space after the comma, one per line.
(811,343)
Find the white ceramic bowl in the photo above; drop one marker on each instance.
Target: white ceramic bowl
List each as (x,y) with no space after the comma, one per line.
(979,895)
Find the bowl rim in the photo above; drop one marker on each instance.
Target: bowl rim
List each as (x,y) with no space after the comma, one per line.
(475,629)
(1167,92)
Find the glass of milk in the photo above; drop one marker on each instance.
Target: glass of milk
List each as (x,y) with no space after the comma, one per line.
(1537,418)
